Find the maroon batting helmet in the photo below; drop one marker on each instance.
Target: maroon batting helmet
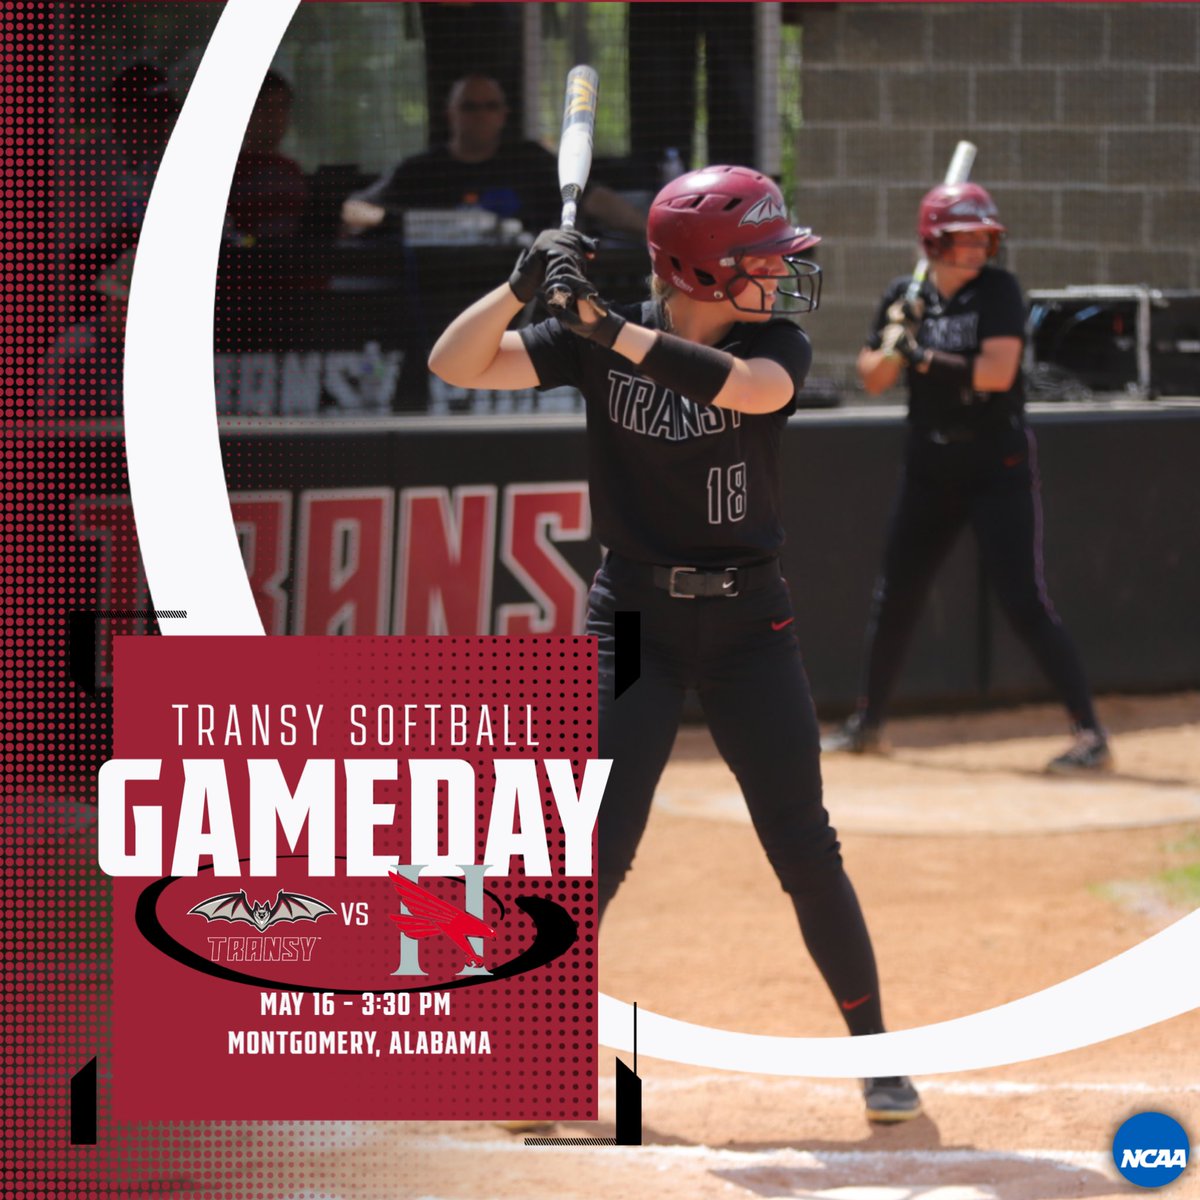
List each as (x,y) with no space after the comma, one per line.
(705,223)
(957,208)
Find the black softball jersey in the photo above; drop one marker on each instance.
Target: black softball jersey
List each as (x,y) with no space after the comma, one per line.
(673,482)
(988,306)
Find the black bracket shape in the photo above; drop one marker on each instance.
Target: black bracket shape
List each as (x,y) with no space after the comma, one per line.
(82,625)
(629,1108)
(627,657)
(629,1105)
(83,1106)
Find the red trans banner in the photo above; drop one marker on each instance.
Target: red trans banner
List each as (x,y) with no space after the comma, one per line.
(376,560)
(353,878)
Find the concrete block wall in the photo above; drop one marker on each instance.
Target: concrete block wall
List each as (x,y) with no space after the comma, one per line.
(1087,119)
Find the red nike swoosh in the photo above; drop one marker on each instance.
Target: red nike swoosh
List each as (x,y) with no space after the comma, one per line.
(850,1005)
(1013,459)
(778,625)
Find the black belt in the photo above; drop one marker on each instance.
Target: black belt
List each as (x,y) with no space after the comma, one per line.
(690,583)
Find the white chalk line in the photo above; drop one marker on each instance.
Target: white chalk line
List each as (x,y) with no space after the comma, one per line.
(985,1089)
(1063,1160)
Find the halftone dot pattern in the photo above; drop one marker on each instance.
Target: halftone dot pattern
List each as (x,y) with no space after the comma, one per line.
(70,223)
(73,549)
(55,907)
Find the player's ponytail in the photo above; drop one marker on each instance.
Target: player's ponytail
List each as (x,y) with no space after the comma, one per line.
(660,292)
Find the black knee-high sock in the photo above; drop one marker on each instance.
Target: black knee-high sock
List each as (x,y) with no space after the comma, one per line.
(835,933)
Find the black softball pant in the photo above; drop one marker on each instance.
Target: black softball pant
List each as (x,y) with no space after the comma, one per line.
(742,657)
(993,485)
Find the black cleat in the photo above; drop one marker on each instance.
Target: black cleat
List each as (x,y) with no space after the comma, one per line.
(891,1100)
(1089,752)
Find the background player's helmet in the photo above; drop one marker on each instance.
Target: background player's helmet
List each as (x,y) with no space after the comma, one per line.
(954,208)
(703,225)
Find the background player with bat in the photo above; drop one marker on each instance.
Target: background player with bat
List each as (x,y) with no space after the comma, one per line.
(958,335)
(686,395)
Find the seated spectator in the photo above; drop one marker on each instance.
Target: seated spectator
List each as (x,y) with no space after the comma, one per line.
(477,166)
(268,194)
(107,178)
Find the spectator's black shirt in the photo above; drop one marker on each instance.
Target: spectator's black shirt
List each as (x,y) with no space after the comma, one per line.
(672,482)
(520,180)
(988,306)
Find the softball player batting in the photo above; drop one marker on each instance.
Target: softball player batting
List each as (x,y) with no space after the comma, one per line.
(687,395)
(971,459)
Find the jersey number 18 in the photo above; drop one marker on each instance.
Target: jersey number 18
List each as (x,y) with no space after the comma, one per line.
(726,493)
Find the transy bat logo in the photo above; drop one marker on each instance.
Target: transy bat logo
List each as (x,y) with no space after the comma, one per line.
(767,209)
(969,207)
(236,906)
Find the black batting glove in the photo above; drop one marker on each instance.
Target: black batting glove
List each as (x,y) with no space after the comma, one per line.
(897,341)
(907,348)
(602,332)
(530,272)
(566,282)
(565,288)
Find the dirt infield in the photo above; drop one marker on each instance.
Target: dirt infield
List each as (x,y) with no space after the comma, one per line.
(982,880)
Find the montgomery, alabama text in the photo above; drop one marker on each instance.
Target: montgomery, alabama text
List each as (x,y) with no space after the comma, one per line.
(356,1041)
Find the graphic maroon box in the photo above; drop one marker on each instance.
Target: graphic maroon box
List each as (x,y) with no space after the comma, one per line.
(277,951)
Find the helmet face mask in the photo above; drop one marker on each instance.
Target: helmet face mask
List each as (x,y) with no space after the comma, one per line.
(799,292)
(705,225)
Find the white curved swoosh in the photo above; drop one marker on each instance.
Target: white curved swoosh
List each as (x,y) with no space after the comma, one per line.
(1152,982)
(180,501)
(192,561)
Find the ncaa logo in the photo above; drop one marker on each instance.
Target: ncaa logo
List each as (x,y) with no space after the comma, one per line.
(1151,1149)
